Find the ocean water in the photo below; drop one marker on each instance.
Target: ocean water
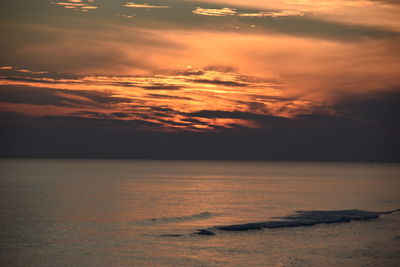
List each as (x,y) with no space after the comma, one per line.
(144,213)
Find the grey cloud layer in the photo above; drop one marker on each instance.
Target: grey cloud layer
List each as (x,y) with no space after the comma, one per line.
(57,97)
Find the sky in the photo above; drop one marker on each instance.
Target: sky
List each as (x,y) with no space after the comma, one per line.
(211,79)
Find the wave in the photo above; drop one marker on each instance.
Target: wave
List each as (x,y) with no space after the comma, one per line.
(302,218)
(162,220)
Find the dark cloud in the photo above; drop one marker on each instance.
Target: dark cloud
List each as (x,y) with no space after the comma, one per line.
(27,95)
(149,87)
(195,121)
(214,114)
(57,97)
(125,84)
(106,122)
(272,98)
(379,109)
(261,120)
(100,97)
(373,113)
(158,115)
(257,107)
(27,79)
(219,82)
(176,123)
(72,41)
(106,138)
(191,72)
(94,114)
(162,109)
(162,87)
(169,96)
(221,68)
(121,114)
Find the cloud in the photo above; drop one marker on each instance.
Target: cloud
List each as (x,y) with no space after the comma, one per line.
(131,4)
(215,12)
(261,119)
(78,5)
(121,115)
(28,79)
(218,82)
(92,114)
(30,71)
(72,49)
(169,97)
(126,16)
(162,87)
(377,109)
(315,137)
(6,68)
(57,97)
(37,96)
(195,121)
(273,14)
(221,12)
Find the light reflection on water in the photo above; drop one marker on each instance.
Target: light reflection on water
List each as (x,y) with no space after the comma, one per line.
(114,212)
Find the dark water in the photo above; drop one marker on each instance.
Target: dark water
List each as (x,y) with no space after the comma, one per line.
(143,213)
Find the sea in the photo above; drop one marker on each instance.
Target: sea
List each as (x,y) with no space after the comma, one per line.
(57,212)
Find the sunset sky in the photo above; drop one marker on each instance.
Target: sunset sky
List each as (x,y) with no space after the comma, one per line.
(223,79)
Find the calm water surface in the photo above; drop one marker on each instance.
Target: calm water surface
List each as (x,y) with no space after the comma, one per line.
(117,213)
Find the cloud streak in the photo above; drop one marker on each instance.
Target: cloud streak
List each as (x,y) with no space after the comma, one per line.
(78,5)
(232,12)
(131,4)
(215,12)
(274,14)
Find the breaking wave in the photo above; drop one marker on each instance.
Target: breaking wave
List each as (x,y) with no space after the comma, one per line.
(303,218)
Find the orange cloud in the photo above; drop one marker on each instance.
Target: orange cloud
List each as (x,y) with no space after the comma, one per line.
(215,12)
(131,4)
(79,5)
(6,68)
(273,14)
